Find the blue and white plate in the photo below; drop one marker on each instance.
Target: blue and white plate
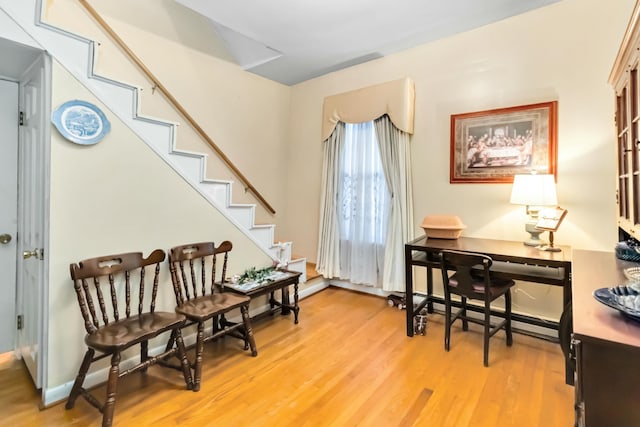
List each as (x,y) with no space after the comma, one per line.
(621,298)
(81,122)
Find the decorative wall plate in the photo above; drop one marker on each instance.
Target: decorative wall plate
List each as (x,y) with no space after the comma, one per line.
(81,122)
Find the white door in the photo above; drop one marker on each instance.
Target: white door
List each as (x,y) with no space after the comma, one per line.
(32,210)
(8,212)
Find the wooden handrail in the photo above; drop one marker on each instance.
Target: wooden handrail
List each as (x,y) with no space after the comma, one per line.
(175,103)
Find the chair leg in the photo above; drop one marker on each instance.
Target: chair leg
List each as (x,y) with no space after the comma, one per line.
(171,342)
(447,322)
(197,369)
(487,331)
(112,386)
(248,331)
(465,323)
(507,313)
(296,307)
(218,323)
(82,373)
(184,362)
(144,353)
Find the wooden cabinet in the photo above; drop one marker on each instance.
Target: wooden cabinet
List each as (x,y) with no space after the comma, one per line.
(624,79)
(606,346)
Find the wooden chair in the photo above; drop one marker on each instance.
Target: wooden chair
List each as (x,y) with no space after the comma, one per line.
(200,298)
(110,332)
(473,280)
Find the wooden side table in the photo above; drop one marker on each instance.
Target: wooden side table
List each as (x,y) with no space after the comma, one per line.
(281,281)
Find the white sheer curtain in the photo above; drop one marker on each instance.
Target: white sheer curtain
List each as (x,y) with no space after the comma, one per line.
(395,153)
(364,204)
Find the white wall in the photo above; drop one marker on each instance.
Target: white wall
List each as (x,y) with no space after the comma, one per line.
(560,52)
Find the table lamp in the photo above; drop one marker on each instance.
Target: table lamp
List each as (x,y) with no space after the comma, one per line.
(534,191)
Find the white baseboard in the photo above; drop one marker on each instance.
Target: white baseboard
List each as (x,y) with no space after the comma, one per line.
(359,288)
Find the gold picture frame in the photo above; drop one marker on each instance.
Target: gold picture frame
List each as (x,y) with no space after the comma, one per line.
(494,145)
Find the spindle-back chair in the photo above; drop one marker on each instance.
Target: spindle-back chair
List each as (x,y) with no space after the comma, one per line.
(104,287)
(199,296)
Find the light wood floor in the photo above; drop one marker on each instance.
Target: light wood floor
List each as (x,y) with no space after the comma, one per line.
(347,363)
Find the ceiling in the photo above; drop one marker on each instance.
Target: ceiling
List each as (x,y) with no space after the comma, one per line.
(291,41)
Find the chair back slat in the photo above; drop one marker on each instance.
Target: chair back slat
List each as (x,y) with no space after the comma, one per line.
(203,274)
(193,268)
(101,304)
(128,294)
(114,297)
(224,248)
(213,272)
(119,273)
(154,292)
(187,293)
(194,281)
(86,304)
(470,268)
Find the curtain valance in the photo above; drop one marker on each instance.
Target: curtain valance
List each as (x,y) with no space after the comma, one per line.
(395,98)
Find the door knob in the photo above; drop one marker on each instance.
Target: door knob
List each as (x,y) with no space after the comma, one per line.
(5,238)
(35,253)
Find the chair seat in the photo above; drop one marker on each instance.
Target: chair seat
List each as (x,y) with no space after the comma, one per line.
(204,307)
(498,285)
(127,332)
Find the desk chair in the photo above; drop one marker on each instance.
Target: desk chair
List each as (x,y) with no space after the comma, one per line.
(472,279)
(200,299)
(104,287)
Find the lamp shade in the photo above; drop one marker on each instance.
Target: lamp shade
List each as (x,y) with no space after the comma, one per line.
(534,190)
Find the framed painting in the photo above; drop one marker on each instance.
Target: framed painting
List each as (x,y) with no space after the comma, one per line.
(494,145)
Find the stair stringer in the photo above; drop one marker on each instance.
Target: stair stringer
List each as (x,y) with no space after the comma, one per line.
(77,55)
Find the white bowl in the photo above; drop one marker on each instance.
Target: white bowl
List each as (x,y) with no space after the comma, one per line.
(632,274)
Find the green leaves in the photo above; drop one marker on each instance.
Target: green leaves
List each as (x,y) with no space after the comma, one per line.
(253,275)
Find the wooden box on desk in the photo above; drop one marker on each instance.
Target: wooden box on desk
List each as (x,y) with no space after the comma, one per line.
(442,226)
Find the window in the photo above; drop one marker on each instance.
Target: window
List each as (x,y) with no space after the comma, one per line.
(364,204)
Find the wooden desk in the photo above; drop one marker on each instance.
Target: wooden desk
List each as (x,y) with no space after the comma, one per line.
(282,283)
(606,346)
(511,259)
